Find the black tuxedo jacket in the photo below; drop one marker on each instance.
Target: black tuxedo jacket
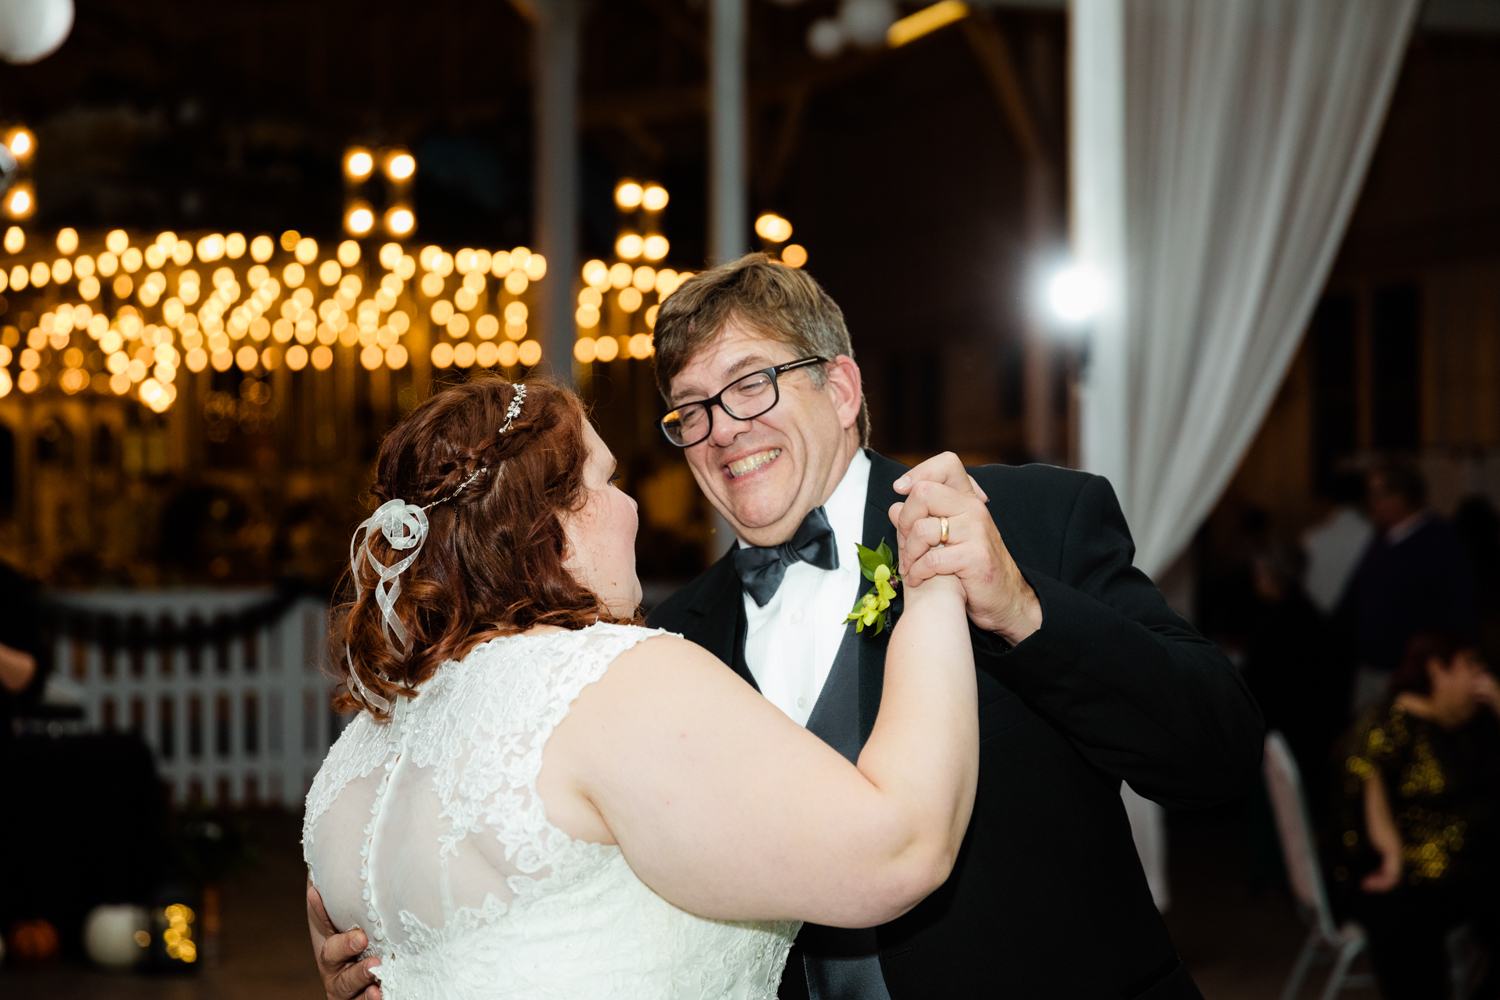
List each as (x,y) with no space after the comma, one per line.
(1047,898)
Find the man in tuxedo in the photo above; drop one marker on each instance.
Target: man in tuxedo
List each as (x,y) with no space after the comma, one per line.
(1087,678)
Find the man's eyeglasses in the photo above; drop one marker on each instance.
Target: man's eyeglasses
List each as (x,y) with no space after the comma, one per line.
(745,398)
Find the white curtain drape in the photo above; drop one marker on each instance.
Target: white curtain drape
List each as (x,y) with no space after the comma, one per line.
(1217,150)
(1238,133)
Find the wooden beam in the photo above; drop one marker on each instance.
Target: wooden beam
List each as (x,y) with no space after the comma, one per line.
(990,48)
(786,144)
(680,26)
(660,104)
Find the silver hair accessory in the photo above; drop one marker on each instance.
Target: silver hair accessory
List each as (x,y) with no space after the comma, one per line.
(405,527)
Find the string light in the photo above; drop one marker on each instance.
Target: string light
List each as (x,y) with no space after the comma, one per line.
(256,320)
(21,143)
(595,272)
(400,166)
(359,219)
(358,163)
(20,202)
(629,246)
(628,194)
(655,247)
(400,221)
(773,228)
(654,198)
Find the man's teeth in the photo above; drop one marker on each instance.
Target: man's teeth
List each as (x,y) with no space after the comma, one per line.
(752,462)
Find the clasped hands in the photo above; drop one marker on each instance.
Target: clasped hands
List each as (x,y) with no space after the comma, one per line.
(997,597)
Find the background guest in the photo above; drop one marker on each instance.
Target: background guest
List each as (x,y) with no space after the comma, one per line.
(1301,687)
(1414,577)
(1421,789)
(23,659)
(1334,545)
(1288,664)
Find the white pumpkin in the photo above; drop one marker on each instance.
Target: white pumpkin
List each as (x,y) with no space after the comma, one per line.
(110,935)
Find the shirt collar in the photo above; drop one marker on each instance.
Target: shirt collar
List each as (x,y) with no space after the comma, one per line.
(1405,529)
(846,507)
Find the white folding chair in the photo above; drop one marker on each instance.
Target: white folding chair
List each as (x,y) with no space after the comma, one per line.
(1326,941)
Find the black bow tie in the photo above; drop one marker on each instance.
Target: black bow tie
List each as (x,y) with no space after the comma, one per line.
(761,569)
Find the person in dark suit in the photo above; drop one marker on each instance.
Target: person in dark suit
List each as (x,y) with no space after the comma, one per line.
(1087,678)
(1414,577)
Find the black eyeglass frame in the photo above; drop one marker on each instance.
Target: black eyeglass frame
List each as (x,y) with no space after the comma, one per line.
(717,399)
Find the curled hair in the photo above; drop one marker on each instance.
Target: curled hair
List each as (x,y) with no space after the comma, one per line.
(492,564)
(1443,645)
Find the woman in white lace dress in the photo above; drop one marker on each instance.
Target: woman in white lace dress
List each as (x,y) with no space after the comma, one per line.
(539,798)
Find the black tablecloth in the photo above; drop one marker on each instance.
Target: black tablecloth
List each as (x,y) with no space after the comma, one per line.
(82,822)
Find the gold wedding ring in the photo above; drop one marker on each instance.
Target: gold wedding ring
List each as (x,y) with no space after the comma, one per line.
(942,531)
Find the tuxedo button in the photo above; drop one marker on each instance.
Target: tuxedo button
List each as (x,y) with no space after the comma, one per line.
(801,702)
(795,617)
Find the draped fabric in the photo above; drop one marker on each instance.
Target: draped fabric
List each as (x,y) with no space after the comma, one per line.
(1241,134)
(1218,148)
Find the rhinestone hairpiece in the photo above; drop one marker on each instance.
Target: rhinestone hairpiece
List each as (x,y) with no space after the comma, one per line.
(511,413)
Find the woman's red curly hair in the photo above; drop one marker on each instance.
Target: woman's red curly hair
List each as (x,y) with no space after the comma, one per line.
(493,561)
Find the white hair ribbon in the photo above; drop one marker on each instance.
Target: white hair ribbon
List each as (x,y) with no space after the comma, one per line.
(404,526)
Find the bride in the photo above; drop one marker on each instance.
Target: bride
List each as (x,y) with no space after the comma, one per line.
(540,798)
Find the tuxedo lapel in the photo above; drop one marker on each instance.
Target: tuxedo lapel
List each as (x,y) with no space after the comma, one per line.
(879,495)
(717,612)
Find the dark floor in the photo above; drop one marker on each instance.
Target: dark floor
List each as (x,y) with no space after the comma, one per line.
(1239,944)
(264,950)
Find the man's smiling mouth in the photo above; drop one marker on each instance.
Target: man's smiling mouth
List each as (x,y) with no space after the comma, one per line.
(750,463)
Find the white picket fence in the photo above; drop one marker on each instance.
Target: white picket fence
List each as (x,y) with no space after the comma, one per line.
(242,720)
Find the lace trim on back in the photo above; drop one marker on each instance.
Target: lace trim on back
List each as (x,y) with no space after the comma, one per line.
(355,754)
(481,724)
(482,731)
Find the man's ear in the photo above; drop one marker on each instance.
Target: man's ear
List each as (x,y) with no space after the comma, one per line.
(847,386)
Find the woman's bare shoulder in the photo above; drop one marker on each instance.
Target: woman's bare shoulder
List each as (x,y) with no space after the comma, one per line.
(667,653)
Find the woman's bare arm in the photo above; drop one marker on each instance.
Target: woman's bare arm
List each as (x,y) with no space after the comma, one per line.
(729,809)
(1380,827)
(16,669)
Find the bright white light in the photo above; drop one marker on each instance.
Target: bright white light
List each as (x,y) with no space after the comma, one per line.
(1075,293)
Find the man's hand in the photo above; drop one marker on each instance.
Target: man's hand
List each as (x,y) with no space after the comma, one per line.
(999,598)
(344,976)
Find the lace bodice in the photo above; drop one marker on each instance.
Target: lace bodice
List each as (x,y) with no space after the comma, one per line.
(428,832)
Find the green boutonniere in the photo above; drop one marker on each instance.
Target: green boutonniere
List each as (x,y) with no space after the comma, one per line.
(879,568)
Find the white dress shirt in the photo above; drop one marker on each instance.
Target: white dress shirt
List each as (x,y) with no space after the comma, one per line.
(791,642)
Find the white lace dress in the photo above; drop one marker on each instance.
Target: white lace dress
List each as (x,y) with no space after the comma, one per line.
(428,832)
